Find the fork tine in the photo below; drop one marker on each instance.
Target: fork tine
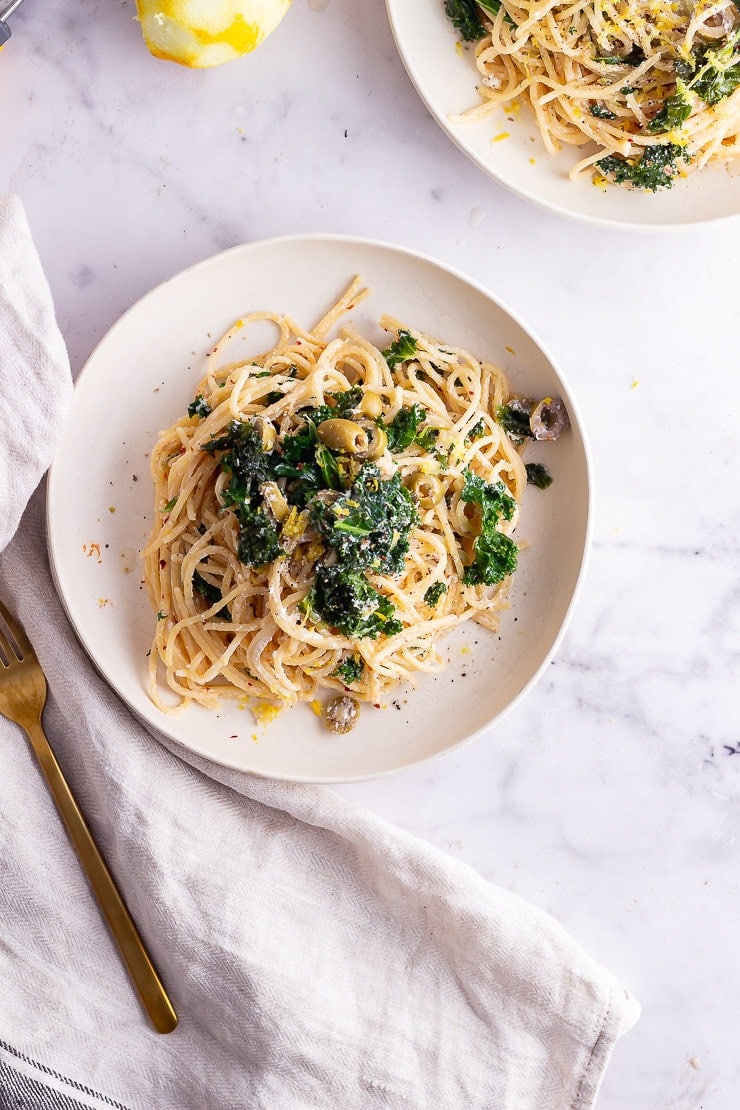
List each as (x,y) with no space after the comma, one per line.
(16,631)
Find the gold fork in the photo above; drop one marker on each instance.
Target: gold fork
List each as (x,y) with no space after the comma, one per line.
(22,699)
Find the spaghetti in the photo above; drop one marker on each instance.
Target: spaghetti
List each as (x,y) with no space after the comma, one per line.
(326,512)
(649,88)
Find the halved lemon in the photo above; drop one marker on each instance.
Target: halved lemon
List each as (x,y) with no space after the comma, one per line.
(201,33)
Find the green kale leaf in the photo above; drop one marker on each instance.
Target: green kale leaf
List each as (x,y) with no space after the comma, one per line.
(635,57)
(241,455)
(465,18)
(601,112)
(258,542)
(538,475)
(344,599)
(476,431)
(514,418)
(655,169)
(403,348)
(339,406)
(675,111)
(717,71)
(199,407)
(434,593)
(210,593)
(405,429)
(307,463)
(494,554)
(368,525)
(350,670)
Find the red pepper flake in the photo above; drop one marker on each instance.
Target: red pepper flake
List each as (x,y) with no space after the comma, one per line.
(376,705)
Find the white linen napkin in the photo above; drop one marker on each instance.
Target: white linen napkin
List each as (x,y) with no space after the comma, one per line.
(317,956)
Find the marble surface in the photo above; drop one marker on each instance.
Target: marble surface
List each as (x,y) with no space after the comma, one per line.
(611,796)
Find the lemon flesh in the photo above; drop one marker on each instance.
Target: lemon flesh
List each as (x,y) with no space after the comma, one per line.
(202,33)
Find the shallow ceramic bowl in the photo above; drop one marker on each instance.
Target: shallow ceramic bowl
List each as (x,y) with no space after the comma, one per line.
(141,378)
(446,81)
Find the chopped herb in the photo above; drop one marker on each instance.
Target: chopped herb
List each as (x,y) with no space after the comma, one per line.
(339,406)
(465,18)
(717,71)
(434,593)
(273,397)
(635,57)
(476,431)
(308,465)
(327,464)
(369,524)
(494,554)
(242,456)
(538,475)
(199,407)
(170,505)
(404,429)
(403,348)
(493,7)
(601,112)
(209,592)
(350,670)
(514,418)
(161,616)
(675,111)
(655,169)
(263,374)
(258,542)
(344,599)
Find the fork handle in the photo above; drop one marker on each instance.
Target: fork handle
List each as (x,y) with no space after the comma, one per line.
(141,969)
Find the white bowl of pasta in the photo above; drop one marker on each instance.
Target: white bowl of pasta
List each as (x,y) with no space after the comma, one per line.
(331,513)
(626,116)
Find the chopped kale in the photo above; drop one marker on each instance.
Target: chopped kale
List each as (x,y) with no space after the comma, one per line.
(327,464)
(493,7)
(635,57)
(476,431)
(465,18)
(514,418)
(538,475)
(655,169)
(199,407)
(339,406)
(675,111)
(273,397)
(405,429)
(350,670)
(308,465)
(403,348)
(494,554)
(601,112)
(717,71)
(209,592)
(369,524)
(242,456)
(434,593)
(258,542)
(344,599)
